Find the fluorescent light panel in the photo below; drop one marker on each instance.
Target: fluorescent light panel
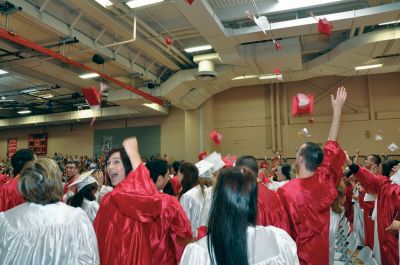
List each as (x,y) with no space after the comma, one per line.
(141,3)
(2,72)
(388,23)
(241,77)
(271,76)
(198,48)
(26,111)
(364,67)
(89,75)
(104,3)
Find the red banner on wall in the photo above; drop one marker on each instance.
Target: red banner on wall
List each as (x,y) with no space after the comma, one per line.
(11,146)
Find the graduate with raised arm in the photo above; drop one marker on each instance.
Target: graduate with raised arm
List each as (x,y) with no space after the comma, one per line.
(134,224)
(309,197)
(388,206)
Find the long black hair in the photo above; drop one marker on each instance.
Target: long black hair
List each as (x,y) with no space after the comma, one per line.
(234,208)
(190,177)
(86,192)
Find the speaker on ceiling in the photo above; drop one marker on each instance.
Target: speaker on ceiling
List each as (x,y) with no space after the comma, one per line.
(98,59)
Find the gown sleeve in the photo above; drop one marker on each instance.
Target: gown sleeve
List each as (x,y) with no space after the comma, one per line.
(334,159)
(180,229)
(88,249)
(195,255)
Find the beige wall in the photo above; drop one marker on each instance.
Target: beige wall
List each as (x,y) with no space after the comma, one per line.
(243,115)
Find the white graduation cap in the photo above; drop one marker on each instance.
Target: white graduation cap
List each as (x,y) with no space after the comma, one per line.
(204,168)
(216,159)
(83,180)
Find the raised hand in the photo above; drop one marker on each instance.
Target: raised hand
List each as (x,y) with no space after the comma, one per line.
(348,160)
(338,102)
(132,150)
(337,105)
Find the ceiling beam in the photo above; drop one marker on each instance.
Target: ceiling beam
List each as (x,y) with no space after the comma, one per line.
(12,37)
(60,28)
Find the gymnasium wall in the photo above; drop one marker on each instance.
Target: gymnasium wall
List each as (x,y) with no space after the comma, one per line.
(243,115)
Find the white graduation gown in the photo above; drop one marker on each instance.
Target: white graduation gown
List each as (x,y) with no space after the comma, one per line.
(103,191)
(333,228)
(376,250)
(197,206)
(266,246)
(91,208)
(47,234)
(358,221)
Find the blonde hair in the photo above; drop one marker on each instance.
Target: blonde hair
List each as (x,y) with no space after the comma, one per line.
(337,206)
(40,182)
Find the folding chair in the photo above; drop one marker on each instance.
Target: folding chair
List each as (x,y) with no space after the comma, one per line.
(364,255)
(346,256)
(371,261)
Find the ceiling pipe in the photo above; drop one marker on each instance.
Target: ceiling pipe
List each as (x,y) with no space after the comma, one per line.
(118,43)
(34,46)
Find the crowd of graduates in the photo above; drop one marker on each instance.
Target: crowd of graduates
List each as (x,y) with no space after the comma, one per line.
(208,212)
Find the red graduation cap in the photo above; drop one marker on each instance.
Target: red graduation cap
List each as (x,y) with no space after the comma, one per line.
(190,2)
(325,27)
(168,41)
(276,71)
(264,165)
(229,160)
(202,155)
(216,137)
(92,96)
(302,104)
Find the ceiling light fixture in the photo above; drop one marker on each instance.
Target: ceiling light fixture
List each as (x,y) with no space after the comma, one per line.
(388,23)
(141,3)
(89,75)
(241,77)
(25,111)
(364,67)
(198,48)
(104,3)
(269,76)
(2,72)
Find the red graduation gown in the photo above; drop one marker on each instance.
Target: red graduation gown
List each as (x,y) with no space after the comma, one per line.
(308,202)
(3,179)
(126,219)
(170,233)
(348,205)
(9,195)
(176,184)
(368,207)
(68,183)
(388,207)
(270,209)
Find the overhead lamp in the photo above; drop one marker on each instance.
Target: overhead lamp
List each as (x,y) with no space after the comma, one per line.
(364,67)
(270,76)
(198,48)
(241,77)
(89,75)
(2,72)
(141,3)
(388,23)
(104,3)
(24,111)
